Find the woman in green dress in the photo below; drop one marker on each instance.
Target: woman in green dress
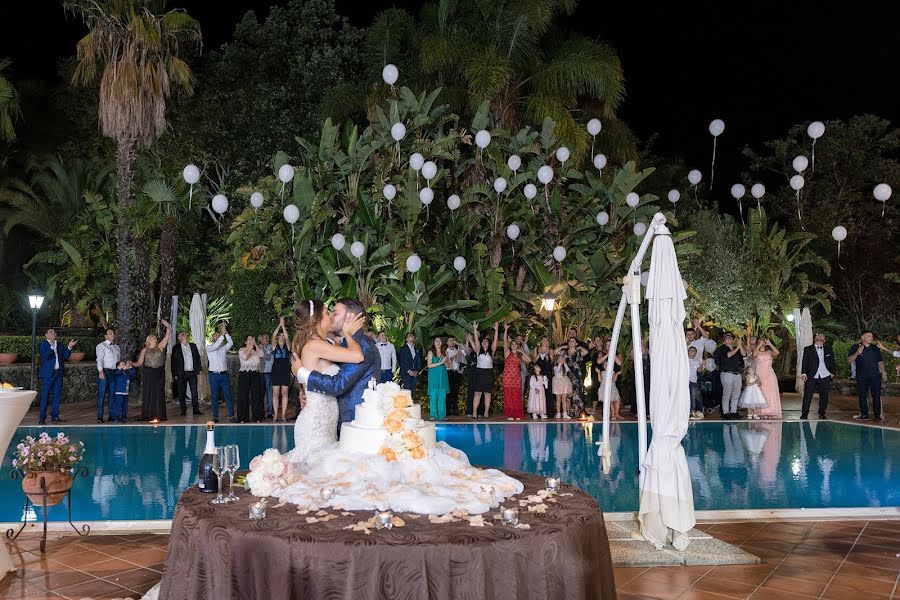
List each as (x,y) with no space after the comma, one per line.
(438,384)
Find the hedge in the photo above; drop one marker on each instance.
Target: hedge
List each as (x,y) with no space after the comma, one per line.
(250,315)
(841,350)
(21,345)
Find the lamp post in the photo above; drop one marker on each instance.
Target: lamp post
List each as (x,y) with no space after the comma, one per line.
(35,301)
(548,303)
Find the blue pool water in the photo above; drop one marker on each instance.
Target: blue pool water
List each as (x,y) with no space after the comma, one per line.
(138,472)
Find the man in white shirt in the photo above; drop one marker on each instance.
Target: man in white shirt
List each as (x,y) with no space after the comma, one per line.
(697,338)
(817,369)
(695,365)
(108,356)
(219,380)
(388,357)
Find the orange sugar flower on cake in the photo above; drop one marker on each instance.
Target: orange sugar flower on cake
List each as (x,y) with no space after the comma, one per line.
(388,454)
(398,414)
(411,439)
(418,452)
(401,401)
(393,425)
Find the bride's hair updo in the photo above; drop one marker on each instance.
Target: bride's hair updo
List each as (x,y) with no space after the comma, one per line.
(307,315)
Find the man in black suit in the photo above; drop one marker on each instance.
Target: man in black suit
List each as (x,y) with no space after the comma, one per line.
(185,367)
(817,370)
(410,362)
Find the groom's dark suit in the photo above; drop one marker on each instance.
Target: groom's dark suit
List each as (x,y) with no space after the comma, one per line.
(351,381)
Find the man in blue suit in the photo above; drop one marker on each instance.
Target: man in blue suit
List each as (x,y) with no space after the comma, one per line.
(410,361)
(352,379)
(53,365)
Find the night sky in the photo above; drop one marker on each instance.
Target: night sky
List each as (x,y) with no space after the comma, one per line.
(760,66)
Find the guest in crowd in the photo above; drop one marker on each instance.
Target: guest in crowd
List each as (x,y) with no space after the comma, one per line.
(645,372)
(471,354)
(615,399)
(575,355)
(51,373)
(513,362)
(894,353)
(456,360)
(484,369)
(697,338)
(695,367)
(152,362)
(388,357)
(763,356)
(219,381)
(752,347)
(752,398)
(438,384)
(120,382)
(249,399)
(573,335)
(817,368)
(537,393)
(108,356)
(593,357)
(730,361)
(523,346)
(281,372)
(562,386)
(265,370)
(186,366)
(869,374)
(410,359)
(543,356)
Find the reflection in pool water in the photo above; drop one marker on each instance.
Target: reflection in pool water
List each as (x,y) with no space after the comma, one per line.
(138,472)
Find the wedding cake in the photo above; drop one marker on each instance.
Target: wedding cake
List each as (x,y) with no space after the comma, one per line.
(387,422)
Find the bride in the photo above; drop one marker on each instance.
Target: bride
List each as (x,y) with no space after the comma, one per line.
(317,424)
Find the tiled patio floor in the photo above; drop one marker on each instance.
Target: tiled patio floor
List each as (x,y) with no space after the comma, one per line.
(804,560)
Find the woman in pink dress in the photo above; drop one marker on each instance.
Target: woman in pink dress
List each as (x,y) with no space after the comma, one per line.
(768,381)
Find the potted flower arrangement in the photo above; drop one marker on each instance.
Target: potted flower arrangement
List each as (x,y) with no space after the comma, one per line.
(48,459)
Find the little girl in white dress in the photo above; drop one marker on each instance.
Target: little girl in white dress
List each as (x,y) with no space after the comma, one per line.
(537,398)
(752,397)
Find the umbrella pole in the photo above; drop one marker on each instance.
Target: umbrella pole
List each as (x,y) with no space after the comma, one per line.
(604,452)
(638,356)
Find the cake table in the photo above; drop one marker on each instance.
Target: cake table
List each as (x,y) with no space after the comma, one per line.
(217,552)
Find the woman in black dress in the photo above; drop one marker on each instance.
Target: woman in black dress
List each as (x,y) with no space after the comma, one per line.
(484,369)
(249,388)
(152,361)
(281,370)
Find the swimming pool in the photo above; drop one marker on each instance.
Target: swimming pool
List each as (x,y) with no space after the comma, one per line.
(138,472)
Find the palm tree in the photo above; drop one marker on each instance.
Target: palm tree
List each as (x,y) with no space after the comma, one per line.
(9,104)
(136,44)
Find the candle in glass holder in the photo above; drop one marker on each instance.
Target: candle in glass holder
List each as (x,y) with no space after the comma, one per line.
(258,510)
(552,484)
(510,515)
(326,493)
(384,520)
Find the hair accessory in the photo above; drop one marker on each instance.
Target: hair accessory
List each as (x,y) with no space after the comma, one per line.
(311,309)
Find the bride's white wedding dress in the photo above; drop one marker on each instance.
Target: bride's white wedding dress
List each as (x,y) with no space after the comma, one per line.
(316,427)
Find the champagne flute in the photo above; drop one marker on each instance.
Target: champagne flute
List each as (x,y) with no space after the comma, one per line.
(219,468)
(232,461)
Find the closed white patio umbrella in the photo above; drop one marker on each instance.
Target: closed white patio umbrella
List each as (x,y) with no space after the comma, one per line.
(804,339)
(667,500)
(197,316)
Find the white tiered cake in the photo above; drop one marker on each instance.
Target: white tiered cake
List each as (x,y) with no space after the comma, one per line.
(386,413)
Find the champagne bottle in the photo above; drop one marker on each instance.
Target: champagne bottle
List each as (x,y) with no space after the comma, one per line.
(209,483)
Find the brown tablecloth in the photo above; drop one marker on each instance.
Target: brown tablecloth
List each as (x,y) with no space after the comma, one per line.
(217,552)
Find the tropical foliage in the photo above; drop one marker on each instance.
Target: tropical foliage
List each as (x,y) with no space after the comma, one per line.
(9,103)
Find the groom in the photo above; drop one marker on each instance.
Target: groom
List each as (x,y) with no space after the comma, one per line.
(353,378)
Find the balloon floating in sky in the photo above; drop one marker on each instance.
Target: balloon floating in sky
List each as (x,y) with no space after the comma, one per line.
(389,74)
(716,127)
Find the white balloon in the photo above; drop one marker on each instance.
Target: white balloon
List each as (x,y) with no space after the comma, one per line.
(559,253)
(562,154)
(512,232)
(429,170)
(416,161)
(413,263)
(674,196)
(602,217)
(797,182)
(256,199)
(645,278)
(338,241)
(738,190)
(220,203)
(357,249)
(291,213)
(426,195)
(530,191)
(694,177)
(632,199)
(545,174)
(453,202)
(514,162)
(816,129)
(499,185)
(599,161)
(390,73)
(758,190)
(191,174)
(800,163)
(389,191)
(483,138)
(594,126)
(398,131)
(285,173)
(716,127)
(639,229)
(710,345)
(459,263)
(839,233)
(882,192)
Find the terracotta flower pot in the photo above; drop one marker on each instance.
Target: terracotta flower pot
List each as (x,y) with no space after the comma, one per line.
(76,357)
(8,358)
(58,484)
